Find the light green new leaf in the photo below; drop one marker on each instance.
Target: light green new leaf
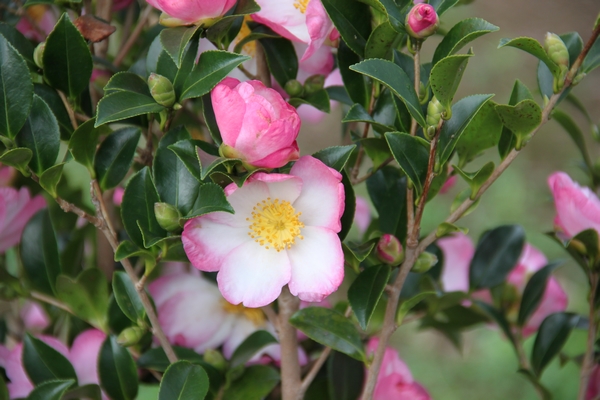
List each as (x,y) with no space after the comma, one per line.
(522,119)
(476,179)
(50,178)
(18,158)
(534,48)
(445,77)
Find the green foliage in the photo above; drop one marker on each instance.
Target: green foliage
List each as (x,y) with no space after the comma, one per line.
(366,290)
(551,337)
(250,346)
(462,33)
(354,28)
(412,154)
(117,371)
(183,380)
(43,363)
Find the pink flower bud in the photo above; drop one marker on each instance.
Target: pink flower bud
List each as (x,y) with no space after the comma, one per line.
(389,249)
(593,388)
(256,123)
(422,21)
(191,12)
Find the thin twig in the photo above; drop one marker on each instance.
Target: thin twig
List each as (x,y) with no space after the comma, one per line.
(134,36)
(372,172)
(52,301)
(70,110)
(588,359)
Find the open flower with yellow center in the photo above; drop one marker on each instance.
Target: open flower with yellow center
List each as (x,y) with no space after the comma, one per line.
(283,232)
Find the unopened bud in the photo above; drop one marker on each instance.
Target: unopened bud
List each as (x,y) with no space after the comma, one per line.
(424,262)
(130,336)
(421,21)
(313,84)
(215,359)
(38,55)
(578,78)
(434,115)
(293,88)
(161,90)
(556,50)
(167,216)
(389,250)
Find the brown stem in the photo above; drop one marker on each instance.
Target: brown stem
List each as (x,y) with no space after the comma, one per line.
(50,300)
(429,178)
(361,150)
(588,359)
(524,363)
(70,207)
(579,60)
(248,74)
(134,36)
(69,109)
(290,367)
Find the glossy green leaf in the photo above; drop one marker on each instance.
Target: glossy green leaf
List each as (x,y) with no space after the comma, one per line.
(67,58)
(353,23)
(39,252)
(127,297)
(347,218)
(392,76)
(20,43)
(381,41)
(83,144)
(186,151)
(157,360)
(408,304)
(51,97)
(463,113)
(16,89)
(184,381)
(476,179)
(138,207)
(41,135)
(251,346)
(50,390)
(127,82)
(574,132)
(175,40)
(345,377)
(211,198)
(482,133)
(496,255)
(592,60)
(387,190)
(3,390)
(43,363)
(412,154)
(591,245)
(377,150)
(446,75)
(115,156)
(335,157)
(86,296)
(519,93)
(355,84)
(18,158)
(551,337)
(355,253)
(534,291)
(256,383)
(441,6)
(357,113)
(128,249)
(89,392)
(117,371)
(330,328)
(212,67)
(498,317)
(124,104)
(522,119)
(534,48)
(366,290)
(319,100)
(281,58)
(462,33)
(50,177)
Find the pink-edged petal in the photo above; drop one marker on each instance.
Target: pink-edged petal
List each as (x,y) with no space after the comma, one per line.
(284,17)
(458,251)
(319,27)
(253,275)
(84,355)
(275,159)
(317,264)
(278,186)
(11,360)
(322,199)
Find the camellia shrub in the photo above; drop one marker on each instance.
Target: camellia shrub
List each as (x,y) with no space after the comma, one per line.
(163,235)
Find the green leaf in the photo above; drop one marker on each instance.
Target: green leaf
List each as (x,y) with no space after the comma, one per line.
(50,177)
(50,390)
(551,337)
(462,33)
(89,392)
(127,82)
(357,113)
(16,89)
(319,100)
(408,304)
(124,104)
(387,189)
(251,346)
(212,67)
(18,158)
(20,43)
(354,83)
(187,153)
(360,251)
(211,198)
(392,76)
(352,22)
(534,48)
(496,255)
(117,371)
(573,130)
(445,77)
(330,328)
(175,41)
(463,113)
(138,207)
(589,239)
(156,359)
(441,6)
(83,144)
(499,317)
(335,157)
(592,60)
(534,291)
(476,179)
(43,363)
(87,296)
(281,58)
(482,133)
(41,135)
(211,121)
(522,119)
(127,297)
(412,154)
(185,381)
(255,384)
(3,390)
(67,58)
(51,97)
(115,156)
(128,249)
(381,41)
(366,290)
(347,218)
(39,252)
(345,377)
(377,150)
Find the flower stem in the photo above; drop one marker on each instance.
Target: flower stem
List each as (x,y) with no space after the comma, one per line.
(588,359)
(290,366)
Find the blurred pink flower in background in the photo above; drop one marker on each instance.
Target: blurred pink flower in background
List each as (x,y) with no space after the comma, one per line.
(593,388)
(118,196)
(449,184)
(362,214)
(395,381)
(6,175)
(84,356)
(283,232)
(37,23)
(256,123)
(34,317)
(118,5)
(191,12)
(577,208)
(458,251)
(16,208)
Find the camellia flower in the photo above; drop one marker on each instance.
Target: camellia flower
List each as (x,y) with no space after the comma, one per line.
(38,24)
(458,251)
(593,388)
(256,124)
(395,380)
(6,175)
(191,12)
(362,214)
(577,208)
(421,21)
(283,232)
(34,317)
(16,208)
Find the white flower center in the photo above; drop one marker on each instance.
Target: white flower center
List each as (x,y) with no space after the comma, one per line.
(301,5)
(275,224)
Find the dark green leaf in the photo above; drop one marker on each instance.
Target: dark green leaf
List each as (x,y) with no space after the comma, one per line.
(83,144)
(573,130)
(349,207)
(378,151)
(335,157)
(50,390)
(185,381)
(522,119)
(87,296)
(51,97)
(175,40)
(128,249)
(117,371)
(88,392)
(115,156)
(50,177)
(255,384)
(483,132)
(19,42)
(211,198)
(381,41)
(67,58)
(186,151)
(360,251)
(44,363)
(281,58)
(441,6)
(251,346)
(534,48)
(366,290)
(355,84)
(412,154)
(445,77)
(339,93)
(496,255)
(127,297)
(499,317)
(127,82)
(353,23)
(124,104)
(157,360)
(357,113)
(462,33)
(551,337)
(387,190)
(330,328)
(345,376)
(534,291)
(476,179)
(319,100)
(408,304)
(18,158)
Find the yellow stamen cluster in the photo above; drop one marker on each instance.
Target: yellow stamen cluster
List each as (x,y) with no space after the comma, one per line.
(275,224)
(301,5)
(250,47)
(255,315)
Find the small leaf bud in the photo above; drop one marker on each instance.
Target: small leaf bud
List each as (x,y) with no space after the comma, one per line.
(130,336)
(215,359)
(389,250)
(578,78)
(294,88)
(161,90)
(434,115)
(424,262)
(422,21)
(556,50)
(167,216)
(313,84)
(38,55)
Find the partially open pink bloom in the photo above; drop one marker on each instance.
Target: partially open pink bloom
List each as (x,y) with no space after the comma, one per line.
(362,214)
(38,24)
(191,12)
(395,382)
(84,355)
(256,124)
(593,388)
(283,232)
(421,21)
(577,208)
(16,208)
(389,249)
(34,317)
(458,251)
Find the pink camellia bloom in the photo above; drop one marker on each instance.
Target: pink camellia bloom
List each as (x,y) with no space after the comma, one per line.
(577,208)
(395,380)
(283,232)
(421,21)
(191,12)
(34,317)
(458,251)
(16,208)
(362,214)
(38,24)
(84,356)
(449,184)
(118,5)
(593,388)
(256,123)
(6,175)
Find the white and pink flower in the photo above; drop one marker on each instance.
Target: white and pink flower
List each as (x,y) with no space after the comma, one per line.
(16,208)
(283,232)
(458,251)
